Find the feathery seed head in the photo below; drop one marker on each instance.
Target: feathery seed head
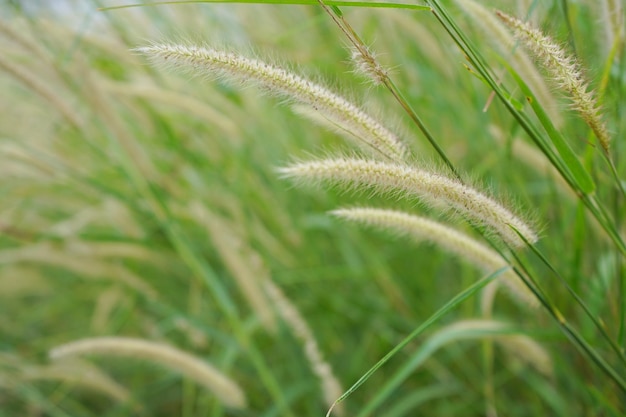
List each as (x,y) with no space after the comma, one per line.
(366,64)
(565,71)
(224,388)
(434,189)
(451,240)
(203,61)
(232,250)
(499,36)
(420,229)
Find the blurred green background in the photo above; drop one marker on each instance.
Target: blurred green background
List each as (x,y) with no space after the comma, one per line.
(141,203)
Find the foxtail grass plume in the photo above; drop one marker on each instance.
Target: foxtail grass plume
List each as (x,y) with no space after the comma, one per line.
(81,264)
(237,258)
(226,390)
(422,229)
(366,64)
(18,281)
(206,61)
(407,181)
(179,101)
(79,373)
(430,44)
(34,83)
(476,329)
(499,36)
(565,71)
(527,350)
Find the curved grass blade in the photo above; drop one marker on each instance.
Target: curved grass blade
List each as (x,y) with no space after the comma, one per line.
(374,4)
(408,403)
(572,163)
(598,322)
(335,13)
(426,350)
(577,339)
(590,200)
(449,306)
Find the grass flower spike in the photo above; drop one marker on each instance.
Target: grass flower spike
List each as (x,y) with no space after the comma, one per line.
(225,389)
(457,243)
(348,117)
(500,37)
(365,63)
(81,374)
(160,255)
(565,71)
(434,189)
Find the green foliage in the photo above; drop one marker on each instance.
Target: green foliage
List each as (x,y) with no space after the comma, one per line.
(144,204)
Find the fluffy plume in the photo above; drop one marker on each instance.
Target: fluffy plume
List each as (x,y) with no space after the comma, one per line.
(204,374)
(242,262)
(457,243)
(564,70)
(207,61)
(80,373)
(366,64)
(496,33)
(434,189)
(612,20)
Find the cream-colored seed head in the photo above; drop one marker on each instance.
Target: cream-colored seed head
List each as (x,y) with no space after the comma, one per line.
(612,20)
(79,373)
(499,36)
(565,71)
(200,371)
(366,64)
(207,61)
(457,243)
(519,346)
(434,189)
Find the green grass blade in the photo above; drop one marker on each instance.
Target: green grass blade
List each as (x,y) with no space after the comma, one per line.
(597,322)
(405,405)
(374,4)
(358,43)
(573,165)
(429,347)
(449,306)
(591,202)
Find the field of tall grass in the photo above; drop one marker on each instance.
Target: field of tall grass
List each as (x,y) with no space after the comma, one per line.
(342,208)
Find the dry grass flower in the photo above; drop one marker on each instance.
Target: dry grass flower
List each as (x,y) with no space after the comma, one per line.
(565,71)
(498,35)
(404,180)
(175,359)
(207,61)
(422,229)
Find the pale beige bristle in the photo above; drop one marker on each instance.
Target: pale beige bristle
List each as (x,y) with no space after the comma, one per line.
(175,359)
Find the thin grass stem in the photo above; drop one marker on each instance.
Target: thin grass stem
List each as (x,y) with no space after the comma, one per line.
(384,78)
(366,4)
(445,309)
